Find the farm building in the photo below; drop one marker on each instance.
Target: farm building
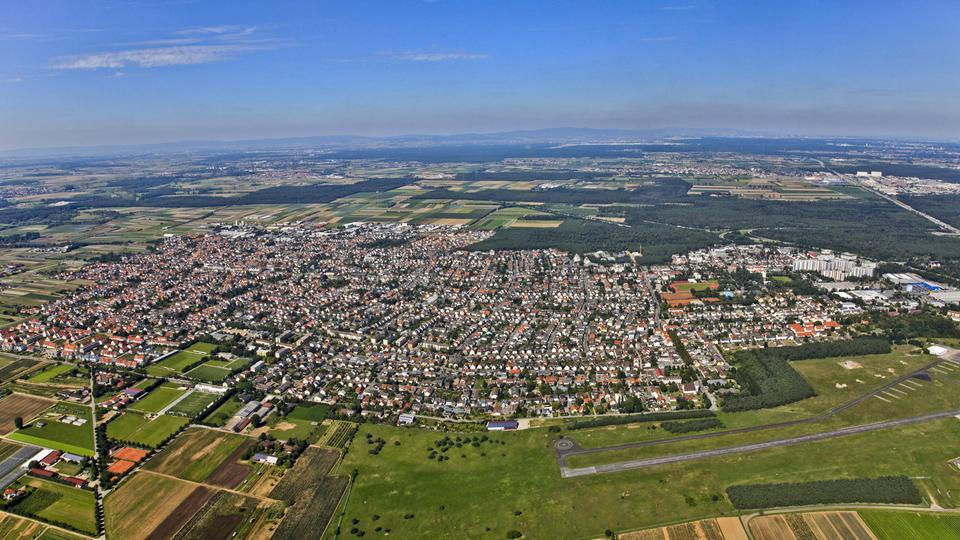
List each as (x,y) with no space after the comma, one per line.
(264,458)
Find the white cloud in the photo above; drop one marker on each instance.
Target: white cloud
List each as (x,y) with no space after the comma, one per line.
(218,30)
(410,56)
(154,57)
(193,46)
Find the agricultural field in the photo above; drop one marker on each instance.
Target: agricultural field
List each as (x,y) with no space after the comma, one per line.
(137,429)
(15,528)
(20,405)
(810,526)
(58,432)
(172,503)
(158,398)
(338,434)
(59,504)
(205,455)
(229,515)
(402,480)
(312,495)
(55,373)
(895,525)
(12,367)
(194,404)
(707,529)
(219,416)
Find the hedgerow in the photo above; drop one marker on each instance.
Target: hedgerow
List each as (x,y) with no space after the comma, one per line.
(882,490)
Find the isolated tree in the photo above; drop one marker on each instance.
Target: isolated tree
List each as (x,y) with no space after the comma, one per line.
(18,422)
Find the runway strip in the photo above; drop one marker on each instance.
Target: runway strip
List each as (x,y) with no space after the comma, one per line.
(568,472)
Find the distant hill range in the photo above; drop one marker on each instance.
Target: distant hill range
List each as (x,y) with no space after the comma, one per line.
(367,146)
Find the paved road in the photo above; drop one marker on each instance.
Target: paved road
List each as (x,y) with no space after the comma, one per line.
(10,468)
(575,449)
(567,472)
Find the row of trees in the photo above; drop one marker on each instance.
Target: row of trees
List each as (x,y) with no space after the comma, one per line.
(633,418)
(882,490)
(690,426)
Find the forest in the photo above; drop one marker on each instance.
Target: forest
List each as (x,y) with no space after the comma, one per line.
(767,380)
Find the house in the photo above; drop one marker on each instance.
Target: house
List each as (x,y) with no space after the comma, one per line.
(503,425)
(264,458)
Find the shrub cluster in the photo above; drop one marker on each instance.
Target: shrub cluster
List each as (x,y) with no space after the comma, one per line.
(692,425)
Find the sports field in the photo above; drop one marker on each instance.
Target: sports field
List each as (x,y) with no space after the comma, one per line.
(158,398)
(208,373)
(137,429)
(175,363)
(194,404)
(53,429)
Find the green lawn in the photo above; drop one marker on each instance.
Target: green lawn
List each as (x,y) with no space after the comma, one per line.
(457,497)
(51,372)
(314,413)
(135,428)
(159,398)
(59,435)
(290,428)
(57,502)
(887,525)
(221,414)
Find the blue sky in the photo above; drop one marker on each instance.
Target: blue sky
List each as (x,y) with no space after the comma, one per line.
(76,72)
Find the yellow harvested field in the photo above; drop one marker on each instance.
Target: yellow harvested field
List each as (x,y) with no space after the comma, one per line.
(732,528)
(771,528)
(124,507)
(534,224)
(451,221)
(838,526)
